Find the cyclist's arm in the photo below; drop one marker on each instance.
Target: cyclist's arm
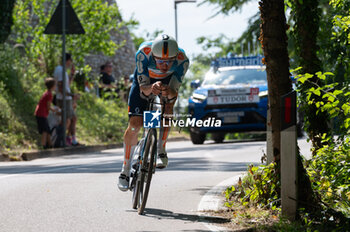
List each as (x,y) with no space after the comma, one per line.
(142,73)
(178,76)
(146,89)
(144,80)
(168,92)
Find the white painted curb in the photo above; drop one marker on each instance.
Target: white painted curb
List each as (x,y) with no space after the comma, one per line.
(212,200)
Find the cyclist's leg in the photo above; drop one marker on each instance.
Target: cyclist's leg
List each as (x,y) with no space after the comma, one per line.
(130,141)
(163,136)
(136,107)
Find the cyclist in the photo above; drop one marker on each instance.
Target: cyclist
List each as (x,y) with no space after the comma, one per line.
(160,68)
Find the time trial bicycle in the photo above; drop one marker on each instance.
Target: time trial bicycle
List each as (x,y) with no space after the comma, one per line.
(144,161)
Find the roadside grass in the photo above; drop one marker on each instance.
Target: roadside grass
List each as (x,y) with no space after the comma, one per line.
(256,219)
(100,121)
(252,204)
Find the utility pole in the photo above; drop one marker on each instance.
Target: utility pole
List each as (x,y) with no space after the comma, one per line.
(175,7)
(64,21)
(176,37)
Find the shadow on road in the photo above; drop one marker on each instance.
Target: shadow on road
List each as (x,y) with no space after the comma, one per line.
(194,164)
(202,164)
(189,163)
(215,146)
(165,214)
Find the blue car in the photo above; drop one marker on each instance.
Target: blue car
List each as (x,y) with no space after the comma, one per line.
(234,91)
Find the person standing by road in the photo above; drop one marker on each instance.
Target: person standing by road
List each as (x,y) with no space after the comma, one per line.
(42,111)
(70,113)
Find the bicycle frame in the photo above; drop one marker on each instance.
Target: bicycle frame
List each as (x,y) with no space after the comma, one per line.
(142,172)
(141,144)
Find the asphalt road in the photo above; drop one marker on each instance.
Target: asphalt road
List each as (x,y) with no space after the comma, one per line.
(79,192)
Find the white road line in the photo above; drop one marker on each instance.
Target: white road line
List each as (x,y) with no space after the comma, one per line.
(71,166)
(211,200)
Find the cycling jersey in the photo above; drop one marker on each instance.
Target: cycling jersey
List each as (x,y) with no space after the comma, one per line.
(147,73)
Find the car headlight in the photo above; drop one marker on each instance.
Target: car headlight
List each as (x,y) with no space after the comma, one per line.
(263,93)
(198,97)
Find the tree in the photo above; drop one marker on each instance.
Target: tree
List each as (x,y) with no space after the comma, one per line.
(333,38)
(274,42)
(6,8)
(147,36)
(226,6)
(307,18)
(98,18)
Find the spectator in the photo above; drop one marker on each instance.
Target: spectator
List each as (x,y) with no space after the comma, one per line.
(107,81)
(71,117)
(42,111)
(102,69)
(72,128)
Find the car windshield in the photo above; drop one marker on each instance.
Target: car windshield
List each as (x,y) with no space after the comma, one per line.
(236,76)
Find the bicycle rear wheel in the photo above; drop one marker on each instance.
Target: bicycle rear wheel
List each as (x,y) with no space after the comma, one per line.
(136,191)
(147,168)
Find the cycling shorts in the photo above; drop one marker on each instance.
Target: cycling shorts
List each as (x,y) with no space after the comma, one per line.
(138,103)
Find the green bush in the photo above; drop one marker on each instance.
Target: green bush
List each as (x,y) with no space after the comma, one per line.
(329,168)
(259,187)
(101,121)
(9,123)
(329,173)
(17,124)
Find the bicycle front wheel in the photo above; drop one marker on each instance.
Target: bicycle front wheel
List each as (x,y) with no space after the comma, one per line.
(147,167)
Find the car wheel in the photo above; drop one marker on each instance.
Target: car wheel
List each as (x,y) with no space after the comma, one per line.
(197,138)
(218,137)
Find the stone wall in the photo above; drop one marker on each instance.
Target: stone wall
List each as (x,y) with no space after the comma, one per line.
(124,58)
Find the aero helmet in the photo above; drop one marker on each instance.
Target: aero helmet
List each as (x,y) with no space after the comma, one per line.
(165,46)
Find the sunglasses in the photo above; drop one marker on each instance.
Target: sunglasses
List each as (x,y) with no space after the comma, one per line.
(158,61)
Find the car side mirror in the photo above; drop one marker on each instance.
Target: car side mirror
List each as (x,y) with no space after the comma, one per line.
(195,84)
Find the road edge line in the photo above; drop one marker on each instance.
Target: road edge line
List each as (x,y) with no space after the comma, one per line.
(211,201)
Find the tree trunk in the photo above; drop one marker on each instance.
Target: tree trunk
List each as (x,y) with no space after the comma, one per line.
(6,8)
(274,43)
(307,17)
